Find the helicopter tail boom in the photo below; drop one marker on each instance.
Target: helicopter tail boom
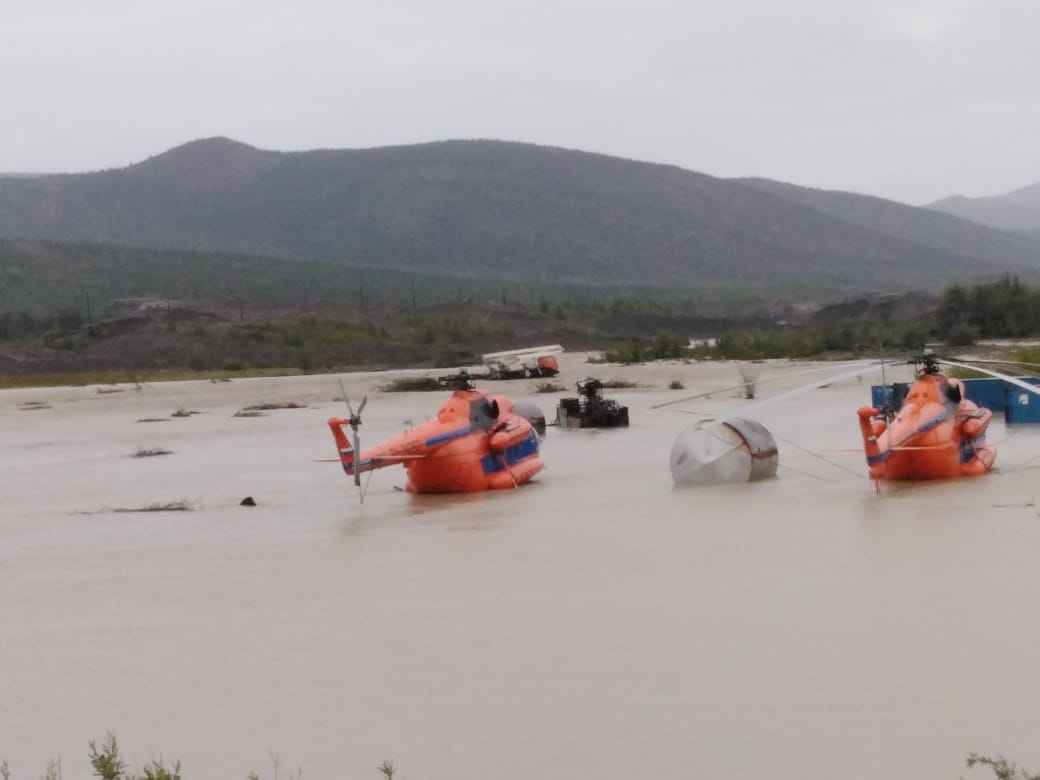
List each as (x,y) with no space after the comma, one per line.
(347,456)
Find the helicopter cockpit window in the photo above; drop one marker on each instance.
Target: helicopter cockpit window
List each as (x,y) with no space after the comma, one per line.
(483,412)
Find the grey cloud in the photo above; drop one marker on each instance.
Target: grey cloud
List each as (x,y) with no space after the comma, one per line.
(909,100)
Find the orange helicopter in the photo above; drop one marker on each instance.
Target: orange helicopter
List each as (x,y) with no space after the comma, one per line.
(936,433)
(476,442)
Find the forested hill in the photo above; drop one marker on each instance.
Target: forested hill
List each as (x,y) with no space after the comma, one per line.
(934,229)
(495,210)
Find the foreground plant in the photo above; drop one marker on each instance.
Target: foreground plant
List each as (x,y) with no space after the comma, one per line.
(107,763)
(1001,767)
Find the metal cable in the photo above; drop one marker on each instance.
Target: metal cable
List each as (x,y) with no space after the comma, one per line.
(846,469)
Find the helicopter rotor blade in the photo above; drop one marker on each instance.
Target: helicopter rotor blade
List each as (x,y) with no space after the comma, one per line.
(1009,379)
(759,382)
(361,408)
(997,362)
(752,408)
(343,395)
(356,441)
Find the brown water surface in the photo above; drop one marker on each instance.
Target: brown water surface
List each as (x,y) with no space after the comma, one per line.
(595,624)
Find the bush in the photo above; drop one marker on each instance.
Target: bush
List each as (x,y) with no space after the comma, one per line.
(962,335)
(629,352)
(913,339)
(1027,355)
(665,346)
(760,344)
(668,346)
(68,321)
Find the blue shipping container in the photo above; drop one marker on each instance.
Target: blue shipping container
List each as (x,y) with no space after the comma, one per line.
(1018,405)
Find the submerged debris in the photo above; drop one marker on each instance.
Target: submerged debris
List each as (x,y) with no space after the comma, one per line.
(617,384)
(110,390)
(412,384)
(184,413)
(248,501)
(750,374)
(274,405)
(151,452)
(32,406)
(170,506)
(549,387)
(247,413)
(153,419)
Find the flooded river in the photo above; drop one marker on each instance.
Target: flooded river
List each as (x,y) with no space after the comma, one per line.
(595,624)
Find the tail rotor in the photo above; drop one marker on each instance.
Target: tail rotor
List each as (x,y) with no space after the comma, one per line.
(354,420)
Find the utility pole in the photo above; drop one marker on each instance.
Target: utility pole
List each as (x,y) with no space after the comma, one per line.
(90,311)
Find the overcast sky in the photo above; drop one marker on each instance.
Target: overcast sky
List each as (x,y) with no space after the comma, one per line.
(910,99)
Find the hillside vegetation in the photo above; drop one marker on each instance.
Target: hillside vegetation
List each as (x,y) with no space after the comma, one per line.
(504,211)
(45,277)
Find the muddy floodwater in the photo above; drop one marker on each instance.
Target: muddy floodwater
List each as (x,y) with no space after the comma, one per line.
(595,624)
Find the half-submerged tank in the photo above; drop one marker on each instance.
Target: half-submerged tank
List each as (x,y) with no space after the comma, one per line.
(590,409)
(733,450)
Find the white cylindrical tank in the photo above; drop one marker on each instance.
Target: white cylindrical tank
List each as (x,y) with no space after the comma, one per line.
(733,450)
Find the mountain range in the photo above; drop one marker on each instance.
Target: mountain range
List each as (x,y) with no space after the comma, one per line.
(1018,210)
(513,211)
